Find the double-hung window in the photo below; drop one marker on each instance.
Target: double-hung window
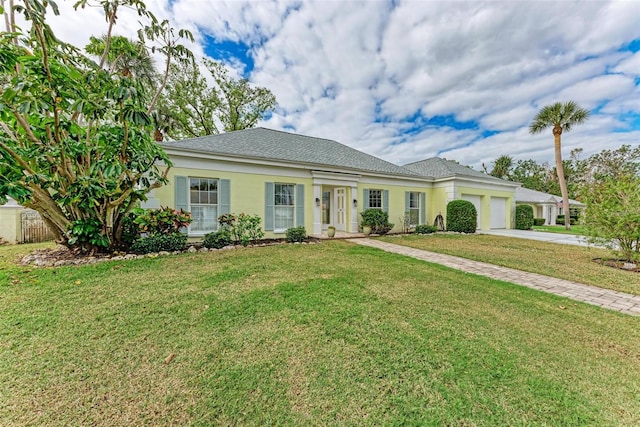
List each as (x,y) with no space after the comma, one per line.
(375,199)
(284,206)
(414,208)
(203,204)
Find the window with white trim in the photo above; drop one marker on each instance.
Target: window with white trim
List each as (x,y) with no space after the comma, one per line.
(375,199)
(203,204)
(284,209)
(414,208)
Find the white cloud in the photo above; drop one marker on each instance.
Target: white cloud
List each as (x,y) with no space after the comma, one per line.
(360,71)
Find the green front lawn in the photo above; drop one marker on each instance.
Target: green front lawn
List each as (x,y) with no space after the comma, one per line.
(329,334)
(578,230)
(567,262)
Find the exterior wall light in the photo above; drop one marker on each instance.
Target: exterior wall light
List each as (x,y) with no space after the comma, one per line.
(317,201)
(355,203)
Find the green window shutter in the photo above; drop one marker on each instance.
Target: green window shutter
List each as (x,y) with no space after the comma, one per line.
(224,197)
(299,205)
(269,205)
(365,196)
(385,200)
(423,208)
(182,196)
(407,201)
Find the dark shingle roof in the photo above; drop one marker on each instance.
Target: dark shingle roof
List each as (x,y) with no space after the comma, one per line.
(441,168)
(269,144)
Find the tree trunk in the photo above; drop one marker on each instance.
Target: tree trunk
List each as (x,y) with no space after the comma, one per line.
(557,132)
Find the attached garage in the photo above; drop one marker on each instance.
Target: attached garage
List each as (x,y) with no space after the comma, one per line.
(498,212)
(477,202)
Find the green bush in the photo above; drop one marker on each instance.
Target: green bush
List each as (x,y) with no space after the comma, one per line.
(462,216)
(524,217)
(87,233)
(377,219)
(538,221)
(243,228)
(160,242)
(560,219)
(217,240)
(161,221)
(425,229)
(296,234)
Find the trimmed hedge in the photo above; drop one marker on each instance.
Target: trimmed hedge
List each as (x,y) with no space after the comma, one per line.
(524,217)
(538,221)
(560,220)
(160,242)
(462,216)
(425,229)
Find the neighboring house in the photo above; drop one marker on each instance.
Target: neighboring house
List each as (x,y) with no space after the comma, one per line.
(544,205)
(10,230)
(293,180)
(21,225)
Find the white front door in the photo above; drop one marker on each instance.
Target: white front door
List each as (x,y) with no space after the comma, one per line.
(340,210)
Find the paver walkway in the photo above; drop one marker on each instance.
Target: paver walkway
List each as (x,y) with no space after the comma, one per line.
(606,298)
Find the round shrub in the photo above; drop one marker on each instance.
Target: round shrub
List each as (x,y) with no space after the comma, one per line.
(377,219)
(462,216)
(296,234)
(538,221)
(217,240)
(160,242)
(524,217)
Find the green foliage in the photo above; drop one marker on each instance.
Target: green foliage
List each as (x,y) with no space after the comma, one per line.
(218,239)
(560,219)
(425,229)
(195,108)
(87,234)
(538,221)
(160,242)
(612,215)
(461,216)
(75,141)
(161,221)
(296,234)
(243,229)
(524,217)
(377,219)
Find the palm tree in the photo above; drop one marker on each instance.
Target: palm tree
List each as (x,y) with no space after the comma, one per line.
(561,117)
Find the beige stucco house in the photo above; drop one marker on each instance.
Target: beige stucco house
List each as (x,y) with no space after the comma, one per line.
(294,180)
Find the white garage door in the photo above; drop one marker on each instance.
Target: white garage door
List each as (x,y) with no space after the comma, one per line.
(498,212)
(477,202)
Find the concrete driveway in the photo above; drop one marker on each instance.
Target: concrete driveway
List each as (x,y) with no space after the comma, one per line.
(565,239)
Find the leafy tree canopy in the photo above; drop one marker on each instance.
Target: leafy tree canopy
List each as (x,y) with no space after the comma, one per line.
(193,107)
(75,135)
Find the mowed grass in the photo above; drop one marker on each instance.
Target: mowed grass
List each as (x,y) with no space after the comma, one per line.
(575,229)
(329,334)
(567,262)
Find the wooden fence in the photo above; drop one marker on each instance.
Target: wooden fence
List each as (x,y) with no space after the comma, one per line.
(33,228)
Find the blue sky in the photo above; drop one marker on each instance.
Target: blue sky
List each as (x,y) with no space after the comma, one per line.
(407,80)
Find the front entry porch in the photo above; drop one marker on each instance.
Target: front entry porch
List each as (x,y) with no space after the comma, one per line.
(336,204)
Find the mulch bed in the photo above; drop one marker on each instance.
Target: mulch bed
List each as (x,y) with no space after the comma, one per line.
(618,263)
(61,255)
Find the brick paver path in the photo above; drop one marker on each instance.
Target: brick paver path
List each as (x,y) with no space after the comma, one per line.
(606,298)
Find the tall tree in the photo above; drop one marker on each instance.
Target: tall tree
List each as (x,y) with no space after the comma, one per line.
(75,139)
(560,117)
(501,167)
(198,108)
